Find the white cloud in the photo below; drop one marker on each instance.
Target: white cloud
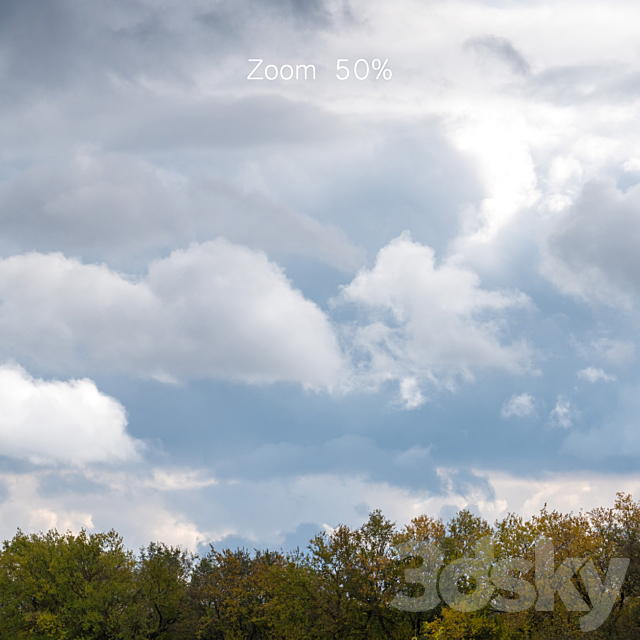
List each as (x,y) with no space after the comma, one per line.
(215,309)
(97,502)
(562,414)
(429,324)
(55,421)
(615,352)
(566,492)
(591,374)
(334,499)
(541,134)
(519,406)
(410,393)
(632,165)
(141,510)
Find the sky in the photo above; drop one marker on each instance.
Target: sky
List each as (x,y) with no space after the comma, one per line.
(239,311)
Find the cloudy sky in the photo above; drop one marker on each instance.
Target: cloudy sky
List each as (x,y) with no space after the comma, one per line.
(240,311)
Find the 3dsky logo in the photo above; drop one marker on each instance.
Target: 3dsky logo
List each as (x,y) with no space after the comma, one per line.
(486,574)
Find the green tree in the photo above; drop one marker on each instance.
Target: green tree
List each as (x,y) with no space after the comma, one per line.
(66,586)
(359,576)
(162,603)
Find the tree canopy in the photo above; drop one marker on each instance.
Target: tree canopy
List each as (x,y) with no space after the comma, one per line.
(89,586)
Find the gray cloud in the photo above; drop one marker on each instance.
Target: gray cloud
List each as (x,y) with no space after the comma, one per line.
(128,130)
(561,84)
(251,121)
(68,481)
(60,43)
(581,83)
(592,249)
(467,483)
(115,206)
(615,436)
(352,454)
(500,49)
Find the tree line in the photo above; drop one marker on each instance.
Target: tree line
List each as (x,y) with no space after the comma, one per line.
(89,586)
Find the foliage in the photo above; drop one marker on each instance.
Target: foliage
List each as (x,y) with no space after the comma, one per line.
(90,587)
